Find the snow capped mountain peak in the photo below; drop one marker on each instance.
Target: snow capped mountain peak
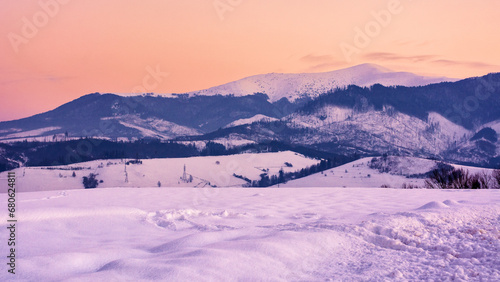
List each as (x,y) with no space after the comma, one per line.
(294,86)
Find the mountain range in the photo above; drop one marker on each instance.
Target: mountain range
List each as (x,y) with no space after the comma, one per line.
(361,111)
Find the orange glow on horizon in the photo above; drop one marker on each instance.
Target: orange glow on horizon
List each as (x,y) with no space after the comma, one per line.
(54,53)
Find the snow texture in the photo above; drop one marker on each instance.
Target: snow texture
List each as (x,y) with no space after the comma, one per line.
(359,174)
(205,171)
(294,234)
(153,127)
(402,170)
(374,130)
(256,118)
(29,133)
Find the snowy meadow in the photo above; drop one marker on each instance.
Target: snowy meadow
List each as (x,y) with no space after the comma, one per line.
(252,234)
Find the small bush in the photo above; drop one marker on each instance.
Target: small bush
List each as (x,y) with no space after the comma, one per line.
(90,181)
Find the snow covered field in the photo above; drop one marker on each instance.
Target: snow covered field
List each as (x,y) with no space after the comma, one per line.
(229,234)
(359,174)
(220,171)
(205,171)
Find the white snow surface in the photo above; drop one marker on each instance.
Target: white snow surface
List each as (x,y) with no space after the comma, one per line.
(359,174)
(232,141)
(153,127)
(447,127)
(28,133)
(295,86)
(251,120)
(397,128)
(206,171)
(231,234)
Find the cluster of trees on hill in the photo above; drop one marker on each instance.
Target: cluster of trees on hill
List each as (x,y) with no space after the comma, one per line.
(453,178)
(283,177)
(87,149)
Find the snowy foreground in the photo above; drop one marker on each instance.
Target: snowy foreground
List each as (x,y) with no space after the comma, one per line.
(286,234)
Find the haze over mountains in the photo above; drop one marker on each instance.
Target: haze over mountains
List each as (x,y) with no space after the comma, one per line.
(353,112)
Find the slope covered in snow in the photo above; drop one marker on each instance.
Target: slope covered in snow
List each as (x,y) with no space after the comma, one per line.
(295,86)
(394,172)
(359,174)
(29,133)
(183,234)
(229,171)
(200,172)
(378,131)
(153,127)
(256,118)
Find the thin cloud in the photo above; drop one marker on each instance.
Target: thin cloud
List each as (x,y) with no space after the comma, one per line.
(385,56)
(320,62)
(416,43)
(50,78)
(324,67)
(477,65)
(433,59)
(311,58)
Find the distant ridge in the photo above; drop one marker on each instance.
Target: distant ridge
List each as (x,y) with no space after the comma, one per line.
(296,86)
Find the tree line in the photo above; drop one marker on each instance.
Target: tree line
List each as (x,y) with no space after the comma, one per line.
(283,177)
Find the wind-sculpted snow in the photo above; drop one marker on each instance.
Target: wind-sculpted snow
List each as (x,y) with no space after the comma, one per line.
(312,234)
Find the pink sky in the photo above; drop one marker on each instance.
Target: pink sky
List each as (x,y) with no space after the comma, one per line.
(76,47)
